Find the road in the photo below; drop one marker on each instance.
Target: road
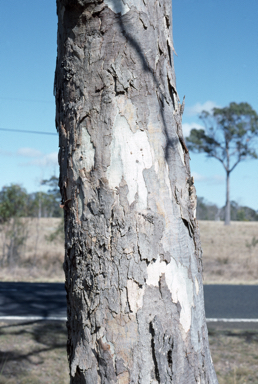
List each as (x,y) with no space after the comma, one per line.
(45,300)
(48,301)
(231,301)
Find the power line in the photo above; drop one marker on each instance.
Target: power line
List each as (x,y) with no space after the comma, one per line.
(23,131)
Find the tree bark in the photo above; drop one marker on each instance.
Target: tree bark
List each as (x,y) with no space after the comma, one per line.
(227,207)
(133,255)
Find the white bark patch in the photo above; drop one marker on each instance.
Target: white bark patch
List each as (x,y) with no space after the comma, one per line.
(179,284)
(123,299)
(117,6)
(80,204)
(128,110)
(196,286)
(135,295)
(111,346)
(158,143)
(83,157)
(167,181)
(181,152)
(130,155)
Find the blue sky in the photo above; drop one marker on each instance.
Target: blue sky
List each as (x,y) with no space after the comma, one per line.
(217,46)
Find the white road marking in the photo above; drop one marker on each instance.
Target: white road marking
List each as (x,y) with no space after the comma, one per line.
(33,318)
(64,318)
(233,320)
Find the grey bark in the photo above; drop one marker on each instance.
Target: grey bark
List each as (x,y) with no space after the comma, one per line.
(133,255)
(227,207)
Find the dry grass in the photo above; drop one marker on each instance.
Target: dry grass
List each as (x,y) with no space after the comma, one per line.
(42,260)
(35,353)
(226,258)
(235,355)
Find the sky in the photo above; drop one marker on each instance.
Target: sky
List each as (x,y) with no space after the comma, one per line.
(216,42)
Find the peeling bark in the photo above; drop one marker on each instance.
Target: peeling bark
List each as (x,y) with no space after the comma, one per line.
(133,255)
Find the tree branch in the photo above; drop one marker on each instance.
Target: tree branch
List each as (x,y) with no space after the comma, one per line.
(237,162)
(218,158)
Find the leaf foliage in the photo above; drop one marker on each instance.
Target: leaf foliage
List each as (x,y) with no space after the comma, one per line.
(229,134)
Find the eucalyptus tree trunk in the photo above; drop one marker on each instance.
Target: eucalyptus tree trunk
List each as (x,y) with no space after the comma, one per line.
(227,207)
(133,255)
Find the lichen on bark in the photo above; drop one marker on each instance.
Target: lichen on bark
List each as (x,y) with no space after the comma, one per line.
(132,249)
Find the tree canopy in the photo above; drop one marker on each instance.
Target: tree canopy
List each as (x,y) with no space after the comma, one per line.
(16,202)
(229,135)
(13,202)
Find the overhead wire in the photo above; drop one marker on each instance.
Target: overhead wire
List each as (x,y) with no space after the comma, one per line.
(25,131)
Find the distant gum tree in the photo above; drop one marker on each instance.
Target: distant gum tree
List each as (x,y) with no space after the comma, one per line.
(13,206)
(229,136)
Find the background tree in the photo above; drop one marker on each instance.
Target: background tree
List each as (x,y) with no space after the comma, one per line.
(42,204)
(16,205)
(53,198)
(13,202)
(206,210)
(133,257)
(210,211)
(230,136)
(13,206)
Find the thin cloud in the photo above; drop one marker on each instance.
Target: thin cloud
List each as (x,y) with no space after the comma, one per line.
(198,177)
(197,108)
(24,152)
(188,126)
(37,158)
(48,160)
(214,179)
(29,152)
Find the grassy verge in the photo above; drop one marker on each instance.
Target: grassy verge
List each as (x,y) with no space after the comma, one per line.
(41,259)
(235,355)
(227,258)
(33,353)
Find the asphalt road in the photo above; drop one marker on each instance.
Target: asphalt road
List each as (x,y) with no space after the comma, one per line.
(47,300)
(231,301)
(44,300)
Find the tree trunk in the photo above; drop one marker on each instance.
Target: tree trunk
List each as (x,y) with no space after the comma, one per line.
(133,255)
(227,207)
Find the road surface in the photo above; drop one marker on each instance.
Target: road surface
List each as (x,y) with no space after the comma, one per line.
(48,301)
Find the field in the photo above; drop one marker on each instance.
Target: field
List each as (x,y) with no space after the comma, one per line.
(235,355)
(41,260)
(228,256)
